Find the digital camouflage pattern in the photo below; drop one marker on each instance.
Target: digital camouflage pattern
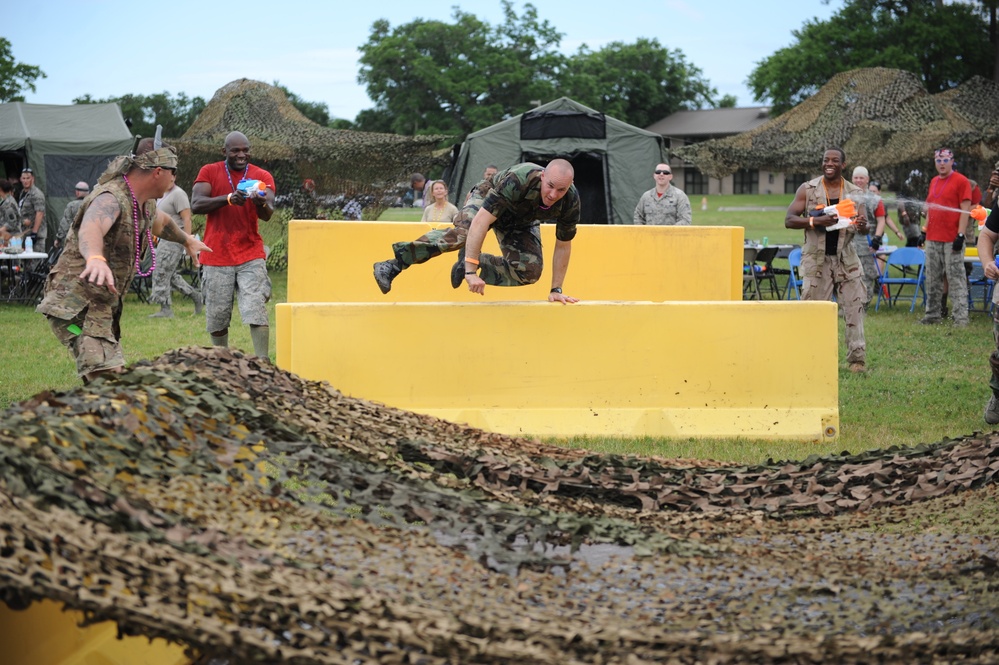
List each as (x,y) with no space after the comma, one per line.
(215,500)
(66,295)
(31,202)
(883,118)
(165,277)
(944,261)
(68,215)
(9,217)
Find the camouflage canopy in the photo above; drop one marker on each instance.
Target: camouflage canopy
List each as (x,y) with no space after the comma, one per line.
(293,147)
(883,118)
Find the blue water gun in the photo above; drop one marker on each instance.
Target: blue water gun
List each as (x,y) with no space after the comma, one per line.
(252,188)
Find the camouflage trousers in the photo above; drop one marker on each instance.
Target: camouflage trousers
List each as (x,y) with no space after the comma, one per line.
(521,262)
(248,283)
(92,354)
(168,258)
(819,282)
(943,263)
(870,271)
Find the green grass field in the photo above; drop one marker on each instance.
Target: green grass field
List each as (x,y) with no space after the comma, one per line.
(926,382)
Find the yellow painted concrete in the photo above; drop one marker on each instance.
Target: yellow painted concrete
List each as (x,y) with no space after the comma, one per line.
(330,261)
(700,369)
(44,634)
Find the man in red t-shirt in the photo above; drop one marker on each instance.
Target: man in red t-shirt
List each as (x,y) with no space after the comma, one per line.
(947,206)
(238,269)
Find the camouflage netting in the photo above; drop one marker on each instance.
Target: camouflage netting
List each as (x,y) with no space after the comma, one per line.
(292,147)
(883,118)
(217,501)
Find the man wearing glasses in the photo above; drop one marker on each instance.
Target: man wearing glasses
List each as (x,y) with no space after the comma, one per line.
(663,205)
(947,206)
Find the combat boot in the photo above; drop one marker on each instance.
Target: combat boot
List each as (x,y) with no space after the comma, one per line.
(992,411)
(164,313)
(385,272)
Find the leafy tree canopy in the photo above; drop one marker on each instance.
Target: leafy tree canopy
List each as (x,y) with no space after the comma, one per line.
(455,78)
(144,112)
(15,77)
(942,44)
(317,112)
(639,83)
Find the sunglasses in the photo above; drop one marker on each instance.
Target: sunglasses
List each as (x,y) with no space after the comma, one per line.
(663,172)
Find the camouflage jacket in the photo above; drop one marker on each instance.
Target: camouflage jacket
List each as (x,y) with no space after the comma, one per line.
(30,203)
(66,295)
(814,249)
(304,205)
(515,200)
(68,215)
(9,217)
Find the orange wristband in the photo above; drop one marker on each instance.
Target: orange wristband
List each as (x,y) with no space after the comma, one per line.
(98,257)
(229,199)
(474,262)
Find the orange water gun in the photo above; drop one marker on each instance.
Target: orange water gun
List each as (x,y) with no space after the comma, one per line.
(979,214)
(845,209)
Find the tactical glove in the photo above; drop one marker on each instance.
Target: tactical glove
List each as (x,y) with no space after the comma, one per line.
(922,239)
(876,243)
(958,245)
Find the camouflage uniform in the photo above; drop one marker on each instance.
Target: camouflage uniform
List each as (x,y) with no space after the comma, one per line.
(169,254)
(822,273)
(304,205)
(68,215)
(863,248)
(515,200)
(31,202)
(95,309)
(670,209)
(9,216)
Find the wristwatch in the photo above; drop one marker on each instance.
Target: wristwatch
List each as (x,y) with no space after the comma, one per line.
(557,289)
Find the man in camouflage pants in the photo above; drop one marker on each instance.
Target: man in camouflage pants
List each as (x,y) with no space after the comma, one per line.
(165,278)
(947,206)
(513,203)
(987,238)
(82,300)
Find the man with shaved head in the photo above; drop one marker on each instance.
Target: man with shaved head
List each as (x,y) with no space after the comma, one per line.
(238,269)
(513,203)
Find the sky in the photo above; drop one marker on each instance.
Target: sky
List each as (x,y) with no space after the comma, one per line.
(110,48)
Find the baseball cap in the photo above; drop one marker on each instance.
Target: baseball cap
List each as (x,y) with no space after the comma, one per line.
(82,186)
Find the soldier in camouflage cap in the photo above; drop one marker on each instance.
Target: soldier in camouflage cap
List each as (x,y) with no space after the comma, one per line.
(82,300)
(513,204)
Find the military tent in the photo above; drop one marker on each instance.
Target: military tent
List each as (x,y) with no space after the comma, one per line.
(613,160)
(63,145)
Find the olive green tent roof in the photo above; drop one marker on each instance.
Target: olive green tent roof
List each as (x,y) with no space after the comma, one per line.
(63,144)
(882,118)
(293,147)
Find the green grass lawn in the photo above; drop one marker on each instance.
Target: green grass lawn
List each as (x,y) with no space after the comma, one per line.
(926,382)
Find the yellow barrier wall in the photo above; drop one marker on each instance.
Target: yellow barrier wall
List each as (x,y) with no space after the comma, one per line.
(331,262)
(704,369)
(45,635)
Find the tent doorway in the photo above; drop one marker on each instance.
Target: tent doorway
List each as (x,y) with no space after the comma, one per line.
(591,182)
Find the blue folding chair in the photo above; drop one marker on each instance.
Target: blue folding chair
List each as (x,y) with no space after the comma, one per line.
(910,264)
(794,280)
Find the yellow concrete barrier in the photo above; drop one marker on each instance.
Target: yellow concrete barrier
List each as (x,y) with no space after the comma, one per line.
(704,369)
(44,634)
(330,261)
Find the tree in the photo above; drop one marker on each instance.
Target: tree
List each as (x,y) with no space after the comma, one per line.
(453,78)
(317,112)
(943,44)
(143,112)
(639,83)
(15,77)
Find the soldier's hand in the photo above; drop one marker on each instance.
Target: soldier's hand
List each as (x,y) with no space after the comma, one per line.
(237,198)
(98,273)
(562,298)
(475,284)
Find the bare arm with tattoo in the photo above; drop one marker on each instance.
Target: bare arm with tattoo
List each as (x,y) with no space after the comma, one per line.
(164,227)
(102,214)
